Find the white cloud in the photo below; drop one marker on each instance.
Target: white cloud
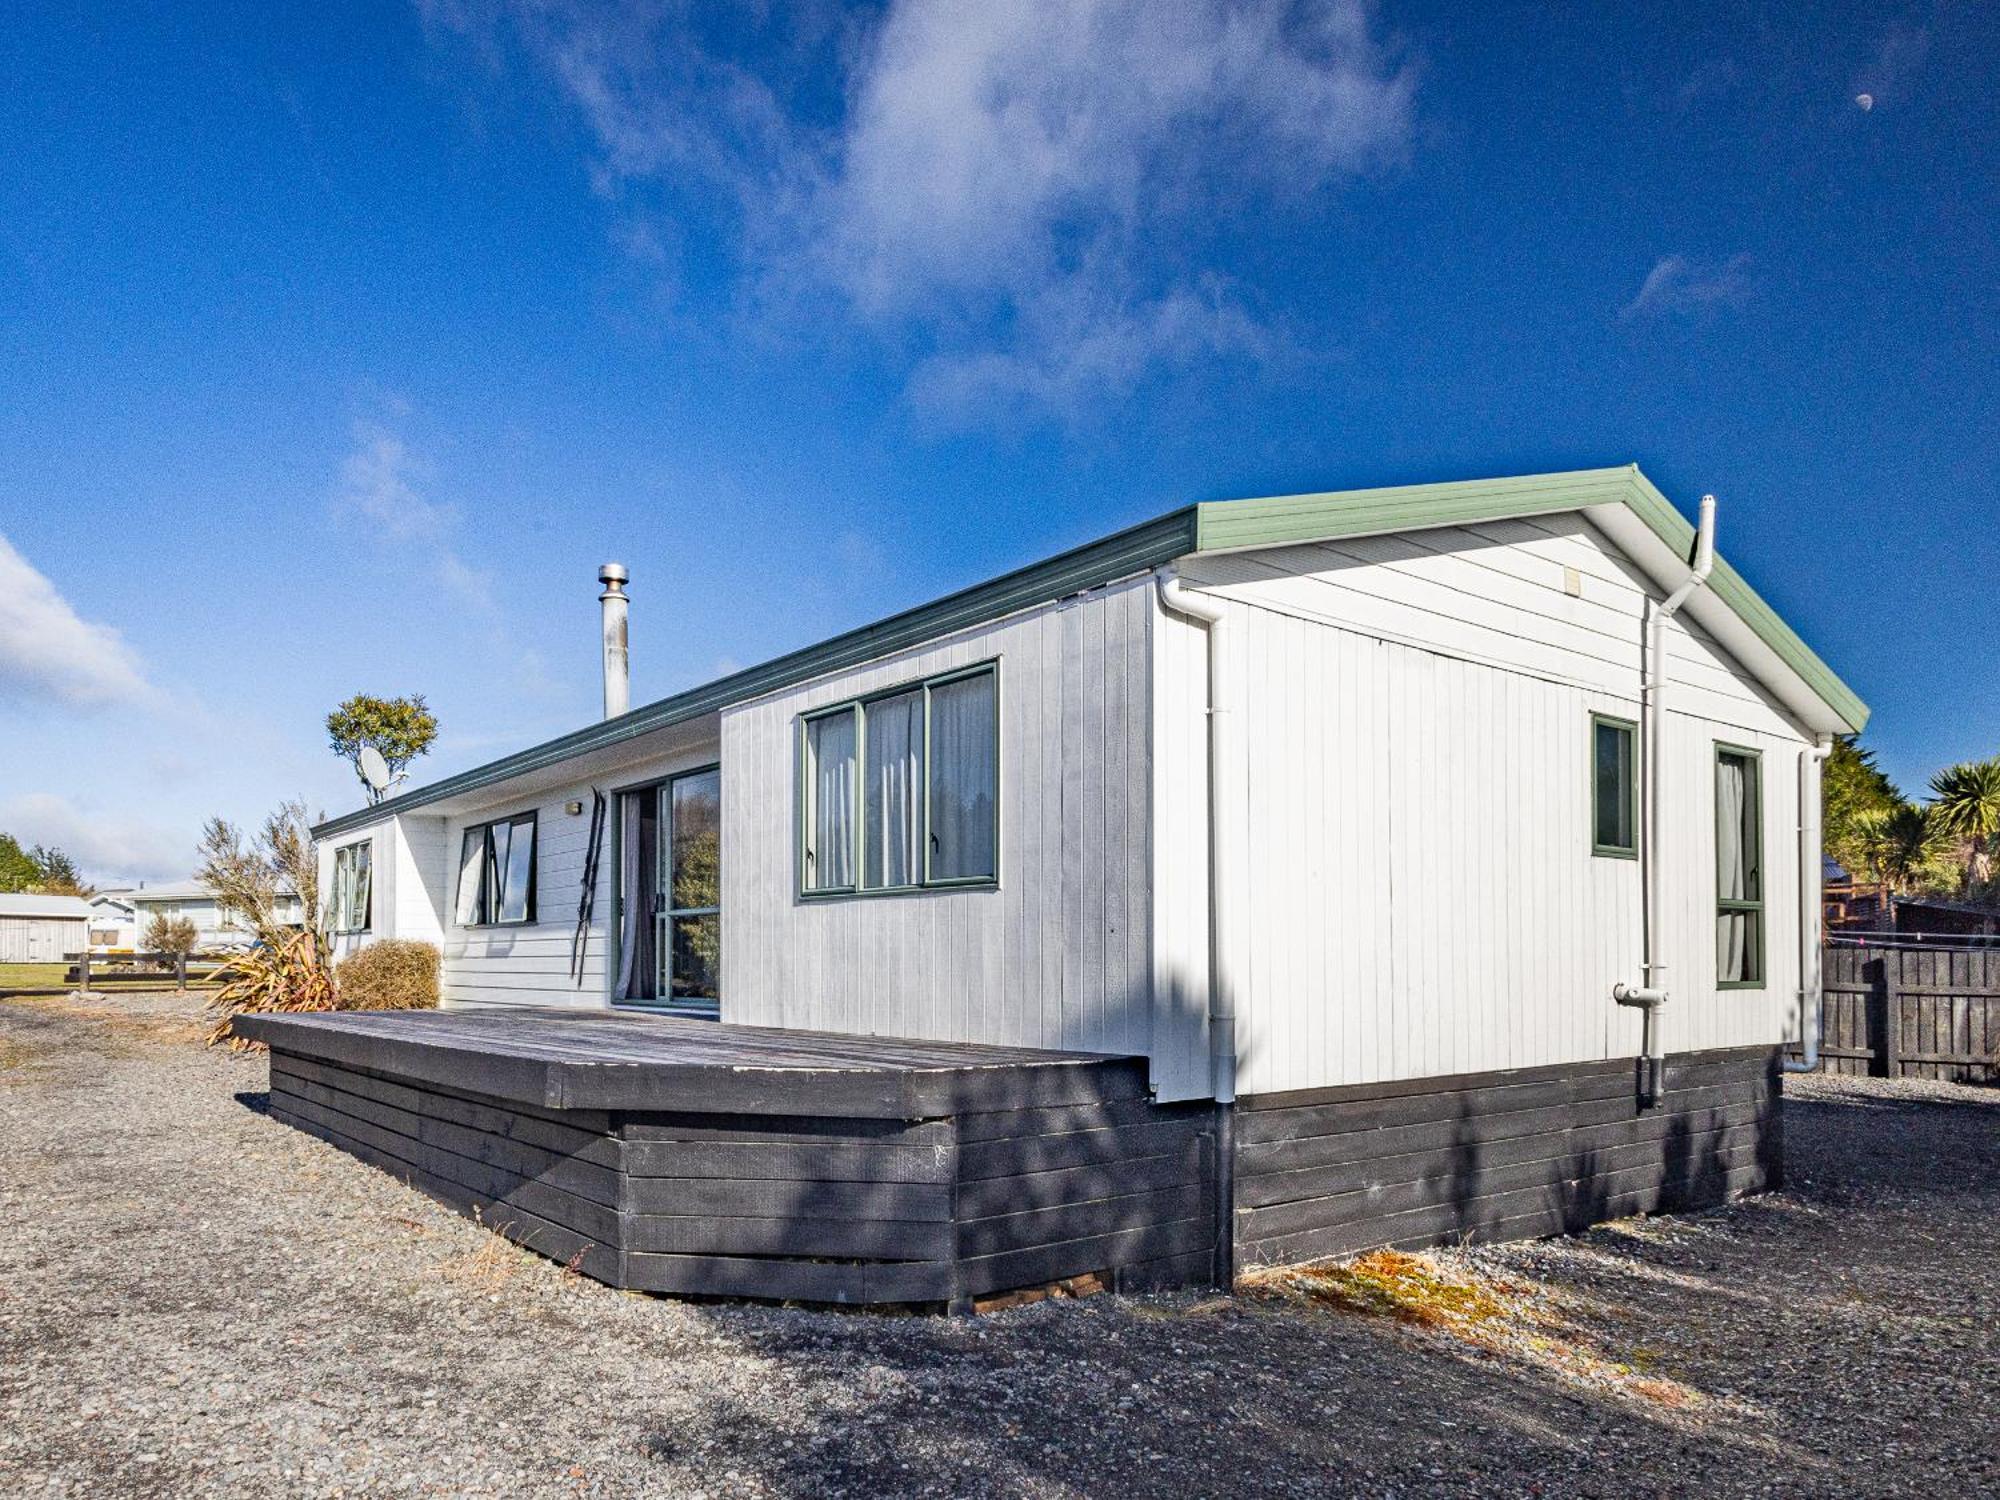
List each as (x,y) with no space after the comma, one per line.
(1679,287)
(48,653)
(378,483)
(1016,193)
(111,847)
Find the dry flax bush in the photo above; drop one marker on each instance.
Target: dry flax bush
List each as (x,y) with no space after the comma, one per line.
(291,978)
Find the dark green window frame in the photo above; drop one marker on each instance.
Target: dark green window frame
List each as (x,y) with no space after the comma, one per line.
(857,854)
(1598,847)
(1751,904)
(486,900)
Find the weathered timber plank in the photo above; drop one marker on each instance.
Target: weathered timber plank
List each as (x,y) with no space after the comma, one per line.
(543,1199)
(783,1129)
(584,1178)
(1015,1156)
(988,1196)
(1073,1221)
(863,1239)
(1572,1204)
(797,1163)
(1394,1162)
(599,1261)
(774,1197)
(1044,1263)
(1378,1189)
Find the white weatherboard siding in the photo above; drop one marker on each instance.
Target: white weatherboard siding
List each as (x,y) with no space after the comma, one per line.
(1059,954)
(1423,898)
(530,964)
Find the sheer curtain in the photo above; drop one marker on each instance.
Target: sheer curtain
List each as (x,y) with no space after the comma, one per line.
(1732,928)
(891,854)
(471,865)
(964,782)
(633,915)
(831,853)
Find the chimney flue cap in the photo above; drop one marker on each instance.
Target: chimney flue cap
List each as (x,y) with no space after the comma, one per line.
(614,577)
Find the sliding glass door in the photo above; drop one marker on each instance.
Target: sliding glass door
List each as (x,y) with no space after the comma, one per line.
(690,934)
(670,894)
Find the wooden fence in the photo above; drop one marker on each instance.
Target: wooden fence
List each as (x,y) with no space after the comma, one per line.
(1912,1013)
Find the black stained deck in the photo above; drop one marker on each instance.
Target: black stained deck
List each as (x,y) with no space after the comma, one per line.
(617,1060)
(671,1155)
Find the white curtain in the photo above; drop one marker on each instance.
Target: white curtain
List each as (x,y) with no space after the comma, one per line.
(1732,928)
(895,769)
(831,854)
(471,865)
(633,909)
(964,778)
(514,862)
(364,860)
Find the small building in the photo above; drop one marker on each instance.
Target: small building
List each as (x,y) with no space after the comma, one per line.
(217,927)
(1437,862)
(42,929)
(114,923)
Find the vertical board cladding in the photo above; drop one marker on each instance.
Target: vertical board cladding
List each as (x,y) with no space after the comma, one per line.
(1059,953)
(821,1208)
(1498,1155)
(1423,896)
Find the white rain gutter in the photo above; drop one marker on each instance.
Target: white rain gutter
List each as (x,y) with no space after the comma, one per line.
(1227,832)
(1812,874)
(1651,993)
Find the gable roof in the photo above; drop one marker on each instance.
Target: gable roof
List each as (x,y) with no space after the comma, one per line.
(30,904)
(1611,496)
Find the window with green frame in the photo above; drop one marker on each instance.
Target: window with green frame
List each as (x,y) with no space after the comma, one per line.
(1614,787)
(901,790)
(1739,868)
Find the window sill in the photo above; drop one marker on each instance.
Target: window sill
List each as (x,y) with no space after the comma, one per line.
(1741,984)
(1608,853)
(496,926)
(931,888)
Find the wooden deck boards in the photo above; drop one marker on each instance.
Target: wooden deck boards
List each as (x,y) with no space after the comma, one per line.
(553,1059)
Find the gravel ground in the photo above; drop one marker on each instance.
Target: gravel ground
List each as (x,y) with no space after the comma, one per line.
(195,1300)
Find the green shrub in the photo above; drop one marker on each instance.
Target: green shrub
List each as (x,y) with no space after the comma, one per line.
(394,974)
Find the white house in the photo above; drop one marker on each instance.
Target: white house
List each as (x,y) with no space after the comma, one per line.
(1334,807)
(41,929)
(216,925)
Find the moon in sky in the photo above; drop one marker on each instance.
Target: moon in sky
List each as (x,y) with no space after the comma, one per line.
(1866,101)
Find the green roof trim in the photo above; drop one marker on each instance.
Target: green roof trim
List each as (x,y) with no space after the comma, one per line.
(1289,520)
(1211,526)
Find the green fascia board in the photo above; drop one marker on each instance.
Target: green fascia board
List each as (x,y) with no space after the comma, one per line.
(1145,546)
(1293,520)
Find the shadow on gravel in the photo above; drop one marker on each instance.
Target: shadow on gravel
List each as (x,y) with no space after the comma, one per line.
(258,1102)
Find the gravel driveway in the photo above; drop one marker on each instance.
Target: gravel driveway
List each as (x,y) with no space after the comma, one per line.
(182,1313)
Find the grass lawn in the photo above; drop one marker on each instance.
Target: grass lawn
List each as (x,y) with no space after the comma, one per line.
(32,976)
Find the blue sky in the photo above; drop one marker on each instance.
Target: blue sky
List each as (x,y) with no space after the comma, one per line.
(338,345)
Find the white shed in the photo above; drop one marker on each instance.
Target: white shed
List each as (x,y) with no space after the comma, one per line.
(42,929)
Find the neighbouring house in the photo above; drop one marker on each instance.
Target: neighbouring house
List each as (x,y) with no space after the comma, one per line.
(1445,858)
(42,929)
(114,922)
(217,927)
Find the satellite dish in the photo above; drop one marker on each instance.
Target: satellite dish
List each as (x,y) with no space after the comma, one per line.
(374,769)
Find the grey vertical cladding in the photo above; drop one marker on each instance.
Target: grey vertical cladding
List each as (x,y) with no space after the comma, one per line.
(819,1208)
(1496,1156)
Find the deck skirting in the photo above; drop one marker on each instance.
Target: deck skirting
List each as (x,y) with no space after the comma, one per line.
(1506,1155)
(814,1208)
